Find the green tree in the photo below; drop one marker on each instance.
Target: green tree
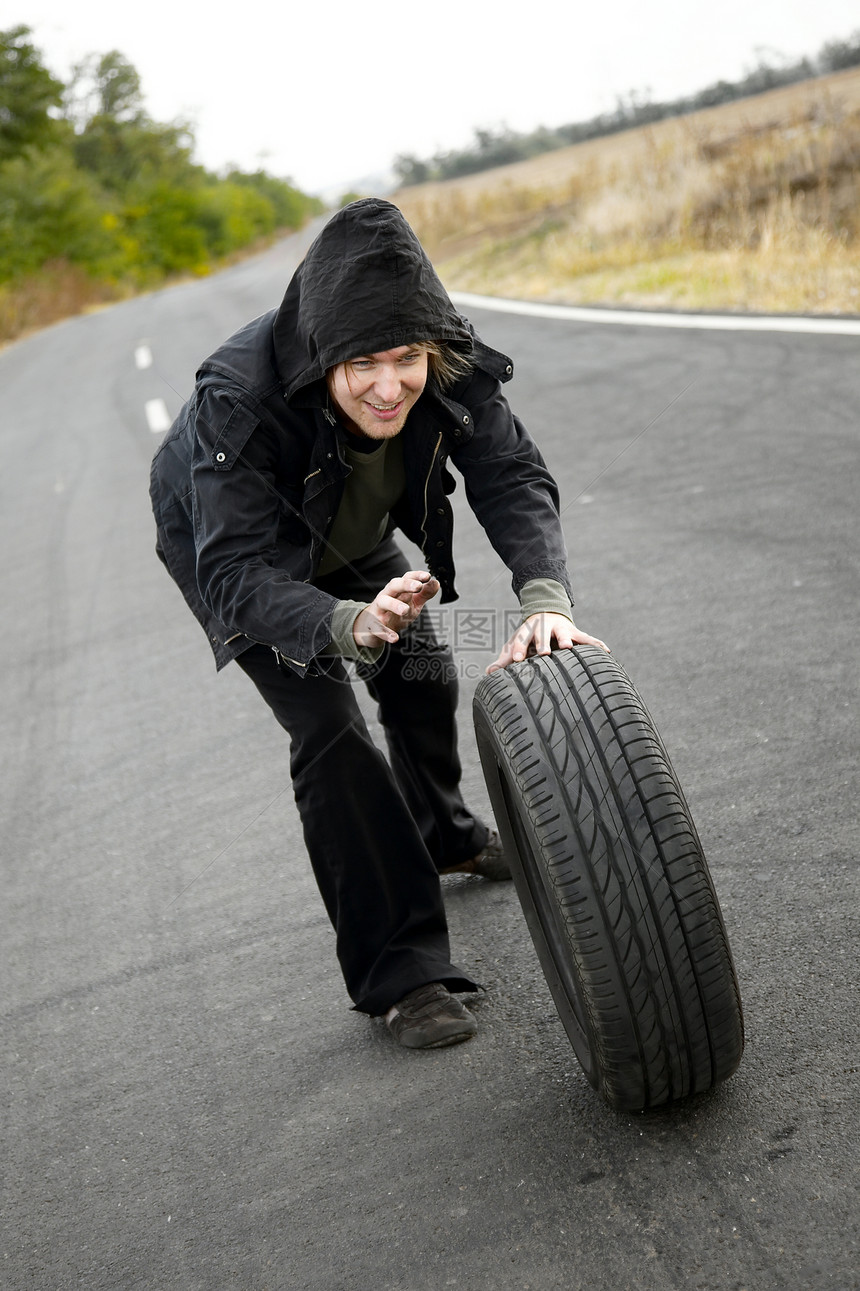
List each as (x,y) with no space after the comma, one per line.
(411,170)
(291,207)
(121,154)
(839,54)
(50,210)
(160,233)
(27,92)
(106,189)
(106,85)
(114,139)
(233,215)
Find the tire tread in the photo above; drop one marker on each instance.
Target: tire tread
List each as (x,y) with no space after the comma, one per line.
(622,864)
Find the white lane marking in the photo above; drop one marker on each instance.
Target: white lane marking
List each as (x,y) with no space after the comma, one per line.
(645,318)
(157,416)
(143,355)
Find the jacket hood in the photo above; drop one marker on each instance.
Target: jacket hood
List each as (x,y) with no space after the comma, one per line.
(365,285)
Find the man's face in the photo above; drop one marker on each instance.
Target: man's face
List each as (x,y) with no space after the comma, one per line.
(375,392)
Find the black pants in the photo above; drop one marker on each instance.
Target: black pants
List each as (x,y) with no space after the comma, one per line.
(377,834)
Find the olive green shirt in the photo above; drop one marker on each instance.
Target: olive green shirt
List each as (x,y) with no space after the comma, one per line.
(375,485)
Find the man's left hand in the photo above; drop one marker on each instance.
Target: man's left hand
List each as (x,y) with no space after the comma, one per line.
(538,634)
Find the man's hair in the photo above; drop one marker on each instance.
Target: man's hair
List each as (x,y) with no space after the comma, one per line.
(446,364)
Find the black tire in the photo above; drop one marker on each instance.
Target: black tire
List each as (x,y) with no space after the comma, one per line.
(611,876)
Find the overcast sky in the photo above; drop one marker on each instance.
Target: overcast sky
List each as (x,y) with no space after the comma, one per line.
(327,92)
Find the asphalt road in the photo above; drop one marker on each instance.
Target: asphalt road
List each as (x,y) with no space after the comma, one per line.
(190,1103)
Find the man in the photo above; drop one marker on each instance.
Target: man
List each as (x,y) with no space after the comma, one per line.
(312,434)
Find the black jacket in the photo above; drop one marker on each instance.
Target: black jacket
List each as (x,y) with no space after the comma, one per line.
(247,482)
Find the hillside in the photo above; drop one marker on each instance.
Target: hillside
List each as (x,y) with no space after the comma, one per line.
(753,205)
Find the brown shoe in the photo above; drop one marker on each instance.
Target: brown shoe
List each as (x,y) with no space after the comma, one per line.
(430,1018)
(490,863)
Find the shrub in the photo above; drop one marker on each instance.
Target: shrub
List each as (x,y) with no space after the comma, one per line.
(49,208)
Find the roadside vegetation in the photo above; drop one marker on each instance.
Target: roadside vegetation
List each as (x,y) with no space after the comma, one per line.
(98,201)
(753,205)
(502,146)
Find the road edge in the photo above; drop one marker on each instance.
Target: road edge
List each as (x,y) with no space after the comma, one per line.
(662,318)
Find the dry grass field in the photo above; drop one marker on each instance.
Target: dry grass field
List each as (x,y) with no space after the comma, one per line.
(754,205)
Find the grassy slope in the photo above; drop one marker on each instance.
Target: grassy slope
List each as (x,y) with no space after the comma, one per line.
(754,205)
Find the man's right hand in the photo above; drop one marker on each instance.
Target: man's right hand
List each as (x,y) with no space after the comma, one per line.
(398,604)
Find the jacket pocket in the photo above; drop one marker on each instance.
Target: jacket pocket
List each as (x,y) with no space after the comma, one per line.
(233,437)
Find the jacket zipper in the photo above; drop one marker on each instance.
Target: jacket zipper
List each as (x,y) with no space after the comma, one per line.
(278,653)
(427,487)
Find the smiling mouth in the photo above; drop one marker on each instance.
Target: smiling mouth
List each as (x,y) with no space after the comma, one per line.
(385,411)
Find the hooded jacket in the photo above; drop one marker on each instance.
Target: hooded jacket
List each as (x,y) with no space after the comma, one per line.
(247,482)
